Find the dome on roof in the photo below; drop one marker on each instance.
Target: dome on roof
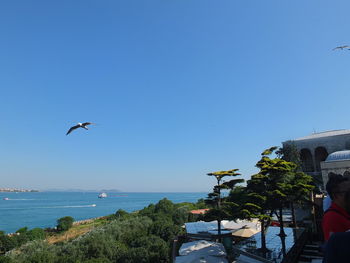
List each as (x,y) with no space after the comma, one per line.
(338,156)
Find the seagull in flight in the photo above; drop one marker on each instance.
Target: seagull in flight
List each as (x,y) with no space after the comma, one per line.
(341,47)
(79,125)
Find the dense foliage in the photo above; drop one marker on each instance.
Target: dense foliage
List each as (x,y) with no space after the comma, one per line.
(64,223)
(144,236)
(22,236)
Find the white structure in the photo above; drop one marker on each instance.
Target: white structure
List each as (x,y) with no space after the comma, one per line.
(202,251)
(202,227)
(238,224)
(337,162)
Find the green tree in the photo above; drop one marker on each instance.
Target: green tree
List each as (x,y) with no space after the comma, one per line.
(4,259)
(300,184)
(35,252)
(235,203)
(36,234)
(300,187)
(201,204)
(268,191)
(121,213)
(22,230)
(165,229)
(98,245)
(278,173)
(214,198)
(98,260)
(257,204)
(180,215)
(164,206)
(6,243)
(64,223)
(289,152)
(23,235)
(150,249)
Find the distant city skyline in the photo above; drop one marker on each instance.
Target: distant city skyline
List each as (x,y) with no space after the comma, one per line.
(177,89)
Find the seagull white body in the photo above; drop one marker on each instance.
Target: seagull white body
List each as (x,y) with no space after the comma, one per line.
(79,125)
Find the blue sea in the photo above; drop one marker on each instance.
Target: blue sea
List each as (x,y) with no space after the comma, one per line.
(42,209)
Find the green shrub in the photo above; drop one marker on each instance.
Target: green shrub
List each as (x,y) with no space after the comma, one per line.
(98,260)
(98,245)
(164,229)
(34,252)
(6,243)
(4,259)
(64,223)
(22,230)
(149,249)
(121,213)
(36,233)
(164,206)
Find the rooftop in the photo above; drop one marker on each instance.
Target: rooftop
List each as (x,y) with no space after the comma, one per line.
(324,134)
(199,211)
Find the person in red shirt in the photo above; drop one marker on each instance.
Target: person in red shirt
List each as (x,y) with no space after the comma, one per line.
(337,217)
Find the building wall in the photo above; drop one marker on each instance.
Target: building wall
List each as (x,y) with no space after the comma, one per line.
(319,149)
(330,143)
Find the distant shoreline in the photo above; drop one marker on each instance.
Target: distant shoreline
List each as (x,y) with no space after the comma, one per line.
(14,190)
(44,208)
(120,192)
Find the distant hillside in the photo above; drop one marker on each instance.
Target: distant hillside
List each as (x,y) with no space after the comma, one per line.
(81,190)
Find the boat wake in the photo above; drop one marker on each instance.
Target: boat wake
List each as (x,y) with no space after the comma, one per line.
(75,206)
(15,199)
(47,207)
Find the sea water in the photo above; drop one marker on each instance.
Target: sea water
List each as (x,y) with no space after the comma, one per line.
(42,209)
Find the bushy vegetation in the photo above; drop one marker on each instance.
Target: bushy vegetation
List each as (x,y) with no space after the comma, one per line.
(64,223)
(143,236)
(19,238)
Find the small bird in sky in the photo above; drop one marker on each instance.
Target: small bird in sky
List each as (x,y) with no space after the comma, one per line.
(79,125)
(341,47)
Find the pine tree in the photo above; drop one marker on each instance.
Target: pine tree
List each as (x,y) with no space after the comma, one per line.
(218,212)
(257,205)
(301,184)
(268,191)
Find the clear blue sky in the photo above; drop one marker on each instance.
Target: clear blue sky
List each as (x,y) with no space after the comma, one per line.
(177,88)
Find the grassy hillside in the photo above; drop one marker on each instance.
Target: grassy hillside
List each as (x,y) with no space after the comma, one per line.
(144,236)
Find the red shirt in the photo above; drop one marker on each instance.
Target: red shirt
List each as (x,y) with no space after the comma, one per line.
(335,220)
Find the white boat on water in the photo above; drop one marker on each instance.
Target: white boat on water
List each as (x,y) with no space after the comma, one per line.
(102,195)
(6,198)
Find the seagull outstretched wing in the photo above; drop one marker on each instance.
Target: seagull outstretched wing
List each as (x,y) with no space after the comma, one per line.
(72,129)
(341,47)
(87,123)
